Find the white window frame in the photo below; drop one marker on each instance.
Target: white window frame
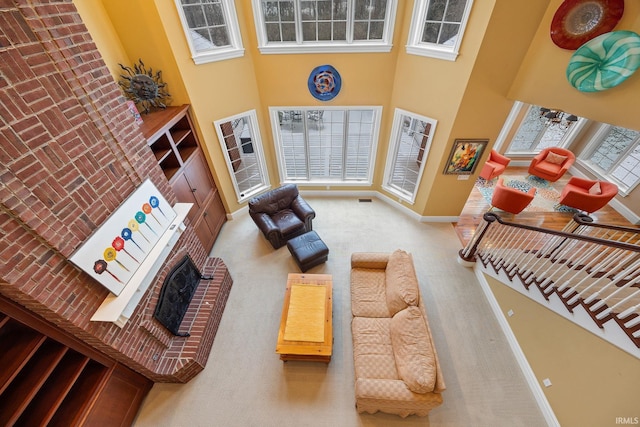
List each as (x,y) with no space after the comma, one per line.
(300,46)
(392,154)
(416,46)
(592,145)
(256,141)
(277,137)
(233,50)
(567,140)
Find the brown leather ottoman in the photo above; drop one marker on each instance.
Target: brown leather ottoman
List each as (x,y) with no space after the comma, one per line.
(308,250)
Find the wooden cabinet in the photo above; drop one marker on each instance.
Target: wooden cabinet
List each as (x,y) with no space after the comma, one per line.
(174,143)
(50,378)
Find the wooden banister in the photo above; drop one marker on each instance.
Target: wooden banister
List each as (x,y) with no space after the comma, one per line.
(588,266)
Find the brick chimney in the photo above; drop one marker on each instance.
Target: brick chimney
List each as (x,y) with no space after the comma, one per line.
(70,154)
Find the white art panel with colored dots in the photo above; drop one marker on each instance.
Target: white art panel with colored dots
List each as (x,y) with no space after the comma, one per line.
(121,244)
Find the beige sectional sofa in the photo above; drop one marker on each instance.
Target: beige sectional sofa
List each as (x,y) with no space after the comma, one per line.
(396,365)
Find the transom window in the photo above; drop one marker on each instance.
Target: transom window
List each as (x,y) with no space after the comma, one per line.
(298,26)
(211,28)
(239,138)
(614,154)
(537,132)
(411,137)
(326,146)
(437,27)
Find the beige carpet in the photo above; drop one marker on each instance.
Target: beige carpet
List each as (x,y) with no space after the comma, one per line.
(245,384)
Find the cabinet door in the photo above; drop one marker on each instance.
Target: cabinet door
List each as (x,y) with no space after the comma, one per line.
(197,173)
(184,193)
(120,400)
(215,215)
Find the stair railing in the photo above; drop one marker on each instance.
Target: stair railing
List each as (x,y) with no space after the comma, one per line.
(585,264)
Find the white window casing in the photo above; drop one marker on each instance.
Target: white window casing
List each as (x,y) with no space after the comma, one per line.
(409,145)
(294,24)
(326,146)
(613,160)
(239,138)
(211,29)
(445,46)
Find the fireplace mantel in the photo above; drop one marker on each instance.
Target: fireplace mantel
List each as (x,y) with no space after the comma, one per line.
(118,309)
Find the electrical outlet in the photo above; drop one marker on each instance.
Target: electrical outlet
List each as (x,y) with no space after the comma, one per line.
(510,313)
(546,382)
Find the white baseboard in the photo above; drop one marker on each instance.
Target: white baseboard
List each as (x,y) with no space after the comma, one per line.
(359,195)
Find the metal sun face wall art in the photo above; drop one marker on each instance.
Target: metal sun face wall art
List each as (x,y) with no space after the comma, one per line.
(144,87)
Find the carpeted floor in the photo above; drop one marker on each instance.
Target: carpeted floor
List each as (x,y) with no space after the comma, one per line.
(547,195)
(245,384)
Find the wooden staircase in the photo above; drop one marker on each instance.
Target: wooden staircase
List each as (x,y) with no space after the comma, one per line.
(588,273)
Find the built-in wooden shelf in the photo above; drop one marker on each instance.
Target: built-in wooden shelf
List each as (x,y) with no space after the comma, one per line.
(49,378)
(174,142)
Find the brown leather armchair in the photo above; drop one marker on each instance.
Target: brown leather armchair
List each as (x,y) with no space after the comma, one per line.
(281,214)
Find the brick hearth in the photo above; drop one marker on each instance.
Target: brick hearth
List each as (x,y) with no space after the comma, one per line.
(71,153)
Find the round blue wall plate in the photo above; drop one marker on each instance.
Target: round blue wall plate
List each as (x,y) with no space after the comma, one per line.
(324,82)
(605,61)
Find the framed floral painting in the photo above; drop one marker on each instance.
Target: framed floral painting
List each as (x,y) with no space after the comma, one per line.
(465,155)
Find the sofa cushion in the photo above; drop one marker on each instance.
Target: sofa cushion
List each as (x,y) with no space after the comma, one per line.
(368,296)
(287,221)
(401,282)
(548,168)
(595,189)
(413,350)
(372,352)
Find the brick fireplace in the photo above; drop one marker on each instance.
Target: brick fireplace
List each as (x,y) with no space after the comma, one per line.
(70,154)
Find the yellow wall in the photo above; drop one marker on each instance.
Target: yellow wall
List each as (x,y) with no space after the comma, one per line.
(593,382)
(103,34)
(484,105)
(470,97)
(542,78)
(367,80)
(142,37)
(434,88)
(216,90)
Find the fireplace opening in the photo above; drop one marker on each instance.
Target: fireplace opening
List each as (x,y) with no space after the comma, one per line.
(175,296)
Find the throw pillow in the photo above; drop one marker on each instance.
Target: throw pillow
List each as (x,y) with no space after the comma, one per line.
(595,189)
(412,350)
(401,283)
(554,158)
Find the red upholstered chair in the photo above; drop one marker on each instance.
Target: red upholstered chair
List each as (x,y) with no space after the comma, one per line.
(587,195)
(551,163)
(494,166)
(511,199)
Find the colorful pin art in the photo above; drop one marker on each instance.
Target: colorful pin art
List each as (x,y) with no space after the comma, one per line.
(117,249)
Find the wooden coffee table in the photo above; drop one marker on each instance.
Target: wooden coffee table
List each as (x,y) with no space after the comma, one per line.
(306,331)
